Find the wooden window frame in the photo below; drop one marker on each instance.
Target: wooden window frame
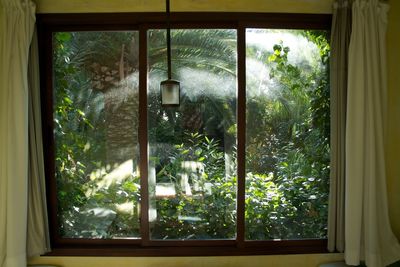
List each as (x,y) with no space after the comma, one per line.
(49,23)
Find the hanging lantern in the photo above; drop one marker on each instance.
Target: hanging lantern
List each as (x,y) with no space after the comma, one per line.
(170,92)
(170,89)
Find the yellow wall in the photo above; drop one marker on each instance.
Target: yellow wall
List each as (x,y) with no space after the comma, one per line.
(253,261)
(300,6)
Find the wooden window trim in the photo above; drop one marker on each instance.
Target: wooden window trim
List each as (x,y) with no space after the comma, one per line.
(50,23)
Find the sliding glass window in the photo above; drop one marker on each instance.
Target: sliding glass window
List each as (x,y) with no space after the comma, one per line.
(241,162)
(192,148)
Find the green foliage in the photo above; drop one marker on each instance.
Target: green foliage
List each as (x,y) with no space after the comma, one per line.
(68,119)
(269,214)
(287,145)
(288,137)
(79,134)
(111,209)
(210,213)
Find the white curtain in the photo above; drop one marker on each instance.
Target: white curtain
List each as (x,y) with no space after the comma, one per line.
(17,19)
(368,234)
(38,240)
(340,38)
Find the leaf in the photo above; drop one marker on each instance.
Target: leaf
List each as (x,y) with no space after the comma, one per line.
(63,36)
(68,100)
(80,112)
(272,58)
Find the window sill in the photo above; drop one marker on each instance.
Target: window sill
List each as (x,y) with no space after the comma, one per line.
(248,248)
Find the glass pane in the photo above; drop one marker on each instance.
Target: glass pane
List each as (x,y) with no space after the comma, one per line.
(95,129)
(287,136)
(192,148)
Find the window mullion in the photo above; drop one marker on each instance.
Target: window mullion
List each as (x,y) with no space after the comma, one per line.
(144,192)
(241,133)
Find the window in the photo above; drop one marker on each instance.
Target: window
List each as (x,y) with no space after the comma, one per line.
(240,167)
(96,133)
(287,129)
(192,162)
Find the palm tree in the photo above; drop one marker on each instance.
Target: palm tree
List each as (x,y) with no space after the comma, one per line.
(110,60)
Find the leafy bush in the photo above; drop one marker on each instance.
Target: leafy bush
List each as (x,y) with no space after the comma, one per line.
(287,156)
(210,211)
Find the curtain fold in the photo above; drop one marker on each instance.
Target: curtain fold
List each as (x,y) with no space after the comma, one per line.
(17,19)
(340,38)
(368,234)
(38,240)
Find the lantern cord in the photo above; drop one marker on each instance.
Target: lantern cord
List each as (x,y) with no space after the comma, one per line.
(168,40)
